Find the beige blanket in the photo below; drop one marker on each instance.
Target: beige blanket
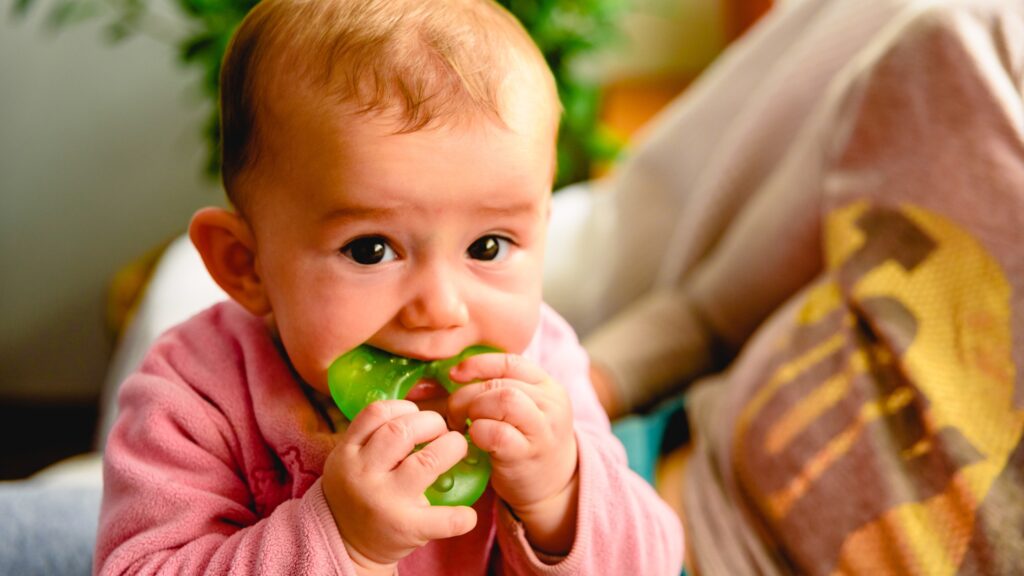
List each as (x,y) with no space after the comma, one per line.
(872,423)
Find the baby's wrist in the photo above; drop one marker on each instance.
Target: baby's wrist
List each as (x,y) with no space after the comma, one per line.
(550,525)
(367,567)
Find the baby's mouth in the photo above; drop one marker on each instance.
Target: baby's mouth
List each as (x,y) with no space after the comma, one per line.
(426,389)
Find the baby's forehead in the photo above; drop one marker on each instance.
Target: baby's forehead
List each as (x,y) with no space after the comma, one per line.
(298,62)
(290,95)
(344,89)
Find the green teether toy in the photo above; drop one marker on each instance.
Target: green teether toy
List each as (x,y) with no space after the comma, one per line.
(367,374)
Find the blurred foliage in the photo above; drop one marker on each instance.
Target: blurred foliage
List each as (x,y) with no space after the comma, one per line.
(563,29)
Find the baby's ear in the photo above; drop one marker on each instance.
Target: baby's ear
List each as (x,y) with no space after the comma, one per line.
(226,244)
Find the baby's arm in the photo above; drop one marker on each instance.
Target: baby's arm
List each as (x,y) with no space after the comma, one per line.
(619,524)
(177,501)
(178,498)
(523,418)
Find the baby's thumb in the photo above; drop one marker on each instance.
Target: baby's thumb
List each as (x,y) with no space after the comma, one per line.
(447,521)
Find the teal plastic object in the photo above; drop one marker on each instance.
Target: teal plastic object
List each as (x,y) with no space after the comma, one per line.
(641,435)
(366,374)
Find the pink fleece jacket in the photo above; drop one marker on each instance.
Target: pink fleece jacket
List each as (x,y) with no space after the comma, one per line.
(213,467)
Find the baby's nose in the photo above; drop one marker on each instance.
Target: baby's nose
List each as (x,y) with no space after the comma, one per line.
(437,301)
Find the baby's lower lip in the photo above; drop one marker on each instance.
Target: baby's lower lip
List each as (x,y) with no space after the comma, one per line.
(426,389)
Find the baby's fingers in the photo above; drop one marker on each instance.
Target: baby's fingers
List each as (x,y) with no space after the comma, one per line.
(396,438)
(422,467)
(438,522)
(502,440)
(509,401)
(374,416)
(490,366)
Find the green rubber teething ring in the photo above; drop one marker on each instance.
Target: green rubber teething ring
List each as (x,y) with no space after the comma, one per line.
(367,374)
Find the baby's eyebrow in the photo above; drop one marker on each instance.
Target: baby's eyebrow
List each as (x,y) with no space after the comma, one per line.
(360,212)
(510,209)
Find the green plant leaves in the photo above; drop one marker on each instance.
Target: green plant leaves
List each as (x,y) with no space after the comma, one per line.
(20,8)
(67,12)
(564,30)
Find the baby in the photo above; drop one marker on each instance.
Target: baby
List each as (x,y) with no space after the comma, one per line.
(390,165)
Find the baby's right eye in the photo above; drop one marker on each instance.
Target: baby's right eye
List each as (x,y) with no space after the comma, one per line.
(369,250)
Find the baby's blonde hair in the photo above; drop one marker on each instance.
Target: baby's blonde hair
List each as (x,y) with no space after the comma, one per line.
(425,61)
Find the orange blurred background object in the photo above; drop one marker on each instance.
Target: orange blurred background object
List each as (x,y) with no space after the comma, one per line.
(627,104)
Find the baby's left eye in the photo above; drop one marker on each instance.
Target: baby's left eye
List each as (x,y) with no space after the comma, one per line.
(490,247)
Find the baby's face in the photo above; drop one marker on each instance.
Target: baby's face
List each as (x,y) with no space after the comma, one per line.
(420,244)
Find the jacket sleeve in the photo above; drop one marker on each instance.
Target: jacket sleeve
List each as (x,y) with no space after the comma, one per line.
(622,527)
(177,501)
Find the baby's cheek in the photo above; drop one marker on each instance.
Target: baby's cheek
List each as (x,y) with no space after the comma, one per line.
(517,331)
(313,347)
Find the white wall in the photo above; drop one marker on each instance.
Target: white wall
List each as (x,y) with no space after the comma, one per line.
(100,161)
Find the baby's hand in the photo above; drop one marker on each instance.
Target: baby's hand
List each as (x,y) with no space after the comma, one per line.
(523,418)
(374,484)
